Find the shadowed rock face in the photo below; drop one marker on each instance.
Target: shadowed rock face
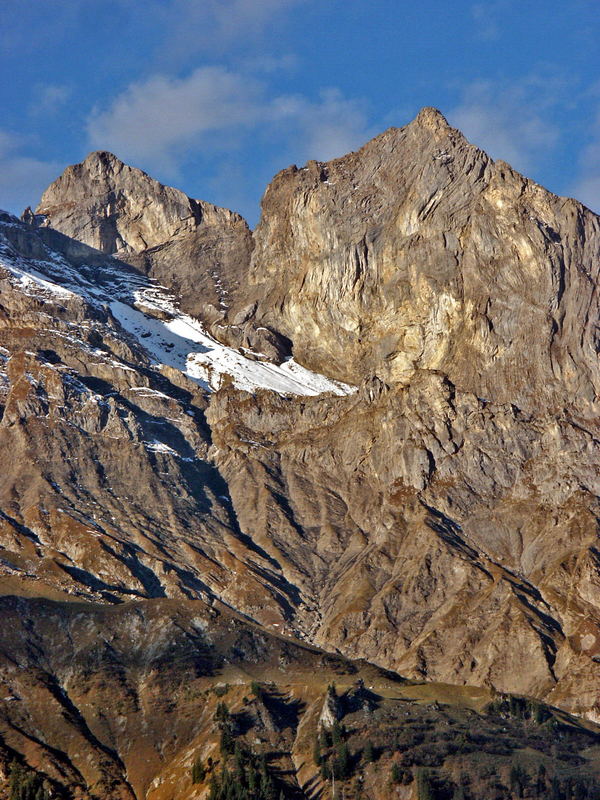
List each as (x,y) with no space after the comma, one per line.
(199,250)
(442,521)
(107,491)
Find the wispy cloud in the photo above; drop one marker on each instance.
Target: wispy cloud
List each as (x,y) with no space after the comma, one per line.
(324,128)
(489,18)
(586,186)
(48,99)
(22,178)
(510,122)
(214,26)
(161,120)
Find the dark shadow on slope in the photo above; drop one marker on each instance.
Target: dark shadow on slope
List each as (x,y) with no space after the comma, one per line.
(23,529)
(74,715)
(95,584)
(450,532)
(144,575)
(62,761)
(285,712)
(101,278)
(359,698)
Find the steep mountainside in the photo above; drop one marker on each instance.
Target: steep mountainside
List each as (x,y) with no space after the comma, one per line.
(418,252)
(418,486)
(110,491)
(163,698)
(200,251)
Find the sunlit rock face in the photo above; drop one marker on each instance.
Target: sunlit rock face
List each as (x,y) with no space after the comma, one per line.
(417,487)
(418,252)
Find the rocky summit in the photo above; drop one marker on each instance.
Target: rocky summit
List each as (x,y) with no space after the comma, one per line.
(309,507)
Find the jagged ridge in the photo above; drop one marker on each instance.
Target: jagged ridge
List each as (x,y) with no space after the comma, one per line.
(442,521)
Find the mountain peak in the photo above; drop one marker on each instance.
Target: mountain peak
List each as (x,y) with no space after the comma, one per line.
(104,159)
(194,247)
(461,476)
(101,155)
(430,117)
(114,207)
(81,180)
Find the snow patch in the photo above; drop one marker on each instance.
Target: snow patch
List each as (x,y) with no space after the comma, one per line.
(181,342)
(170,338)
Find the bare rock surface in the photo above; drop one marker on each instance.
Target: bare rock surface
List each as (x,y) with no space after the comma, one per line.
(420,252)
(450,554)
(462,482)
(199,250)
(438,517)
(107,490)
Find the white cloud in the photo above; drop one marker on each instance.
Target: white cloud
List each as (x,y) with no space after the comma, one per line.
(231,19)
(160,121)
(508,122)
(22,179)
(194,28)
(48,99)
(267,64)
(323,129)
(586,187)
(156,120)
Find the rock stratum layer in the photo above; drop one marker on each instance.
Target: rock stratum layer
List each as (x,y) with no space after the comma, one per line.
(441,520)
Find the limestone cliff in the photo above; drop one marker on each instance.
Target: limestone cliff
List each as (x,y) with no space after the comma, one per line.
(441,520)
(418,252)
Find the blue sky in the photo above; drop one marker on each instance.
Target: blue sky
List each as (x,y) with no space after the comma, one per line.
(215,96)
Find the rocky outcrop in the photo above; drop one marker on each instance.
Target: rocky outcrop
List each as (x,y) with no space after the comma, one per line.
(331,711)
(418,252)
(108,492)
(441,520)
(449,554)
(197,249)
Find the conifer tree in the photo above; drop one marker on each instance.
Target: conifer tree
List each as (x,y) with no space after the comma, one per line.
(198,771)
(424,788)
(317,752)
